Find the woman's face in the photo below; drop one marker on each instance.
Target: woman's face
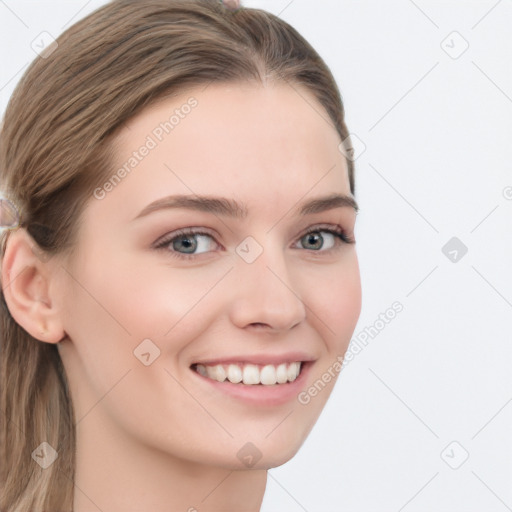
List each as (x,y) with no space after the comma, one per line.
(149,309)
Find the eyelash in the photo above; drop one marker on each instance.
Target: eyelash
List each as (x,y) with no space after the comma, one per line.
(337,231)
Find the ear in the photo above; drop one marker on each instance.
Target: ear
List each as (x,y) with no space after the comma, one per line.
(27,282)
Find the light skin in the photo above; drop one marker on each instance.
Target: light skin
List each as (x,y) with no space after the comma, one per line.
(161,437)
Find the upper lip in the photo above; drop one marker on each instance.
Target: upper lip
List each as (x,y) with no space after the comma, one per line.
(259,359)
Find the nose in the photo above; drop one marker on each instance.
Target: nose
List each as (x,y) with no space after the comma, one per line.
(265,294)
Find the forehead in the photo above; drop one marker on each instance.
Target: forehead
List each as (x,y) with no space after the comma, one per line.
(237,140)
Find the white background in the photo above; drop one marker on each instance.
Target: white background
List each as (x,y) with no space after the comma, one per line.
(436,165)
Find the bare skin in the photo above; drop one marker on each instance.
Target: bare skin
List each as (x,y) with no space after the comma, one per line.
(161,437)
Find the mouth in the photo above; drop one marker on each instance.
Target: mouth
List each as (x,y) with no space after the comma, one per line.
(249,374)
(260,383)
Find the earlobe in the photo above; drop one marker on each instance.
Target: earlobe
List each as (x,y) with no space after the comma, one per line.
(26,286)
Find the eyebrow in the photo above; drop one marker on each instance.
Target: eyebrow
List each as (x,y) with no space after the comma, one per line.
(231,208)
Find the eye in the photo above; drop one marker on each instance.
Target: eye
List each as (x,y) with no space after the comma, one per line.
(322,239)
(189,242)
(186,243)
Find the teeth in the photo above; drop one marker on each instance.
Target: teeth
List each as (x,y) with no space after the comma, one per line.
(221,373)
(293,371)
(216,373)
(251,374)
(281,374)
(268,375)
(201,370)
(234,373)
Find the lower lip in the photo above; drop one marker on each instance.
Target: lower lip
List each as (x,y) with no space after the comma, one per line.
(259,394)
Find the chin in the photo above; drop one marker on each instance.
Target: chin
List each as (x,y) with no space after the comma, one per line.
(277,459)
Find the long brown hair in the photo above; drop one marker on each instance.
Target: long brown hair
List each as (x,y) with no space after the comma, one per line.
(56,147)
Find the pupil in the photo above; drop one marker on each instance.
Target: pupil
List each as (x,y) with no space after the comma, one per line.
(186,242)
(313,237)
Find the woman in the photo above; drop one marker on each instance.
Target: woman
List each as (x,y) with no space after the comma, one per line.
(183,283)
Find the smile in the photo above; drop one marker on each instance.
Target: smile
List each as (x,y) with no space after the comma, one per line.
(251,374)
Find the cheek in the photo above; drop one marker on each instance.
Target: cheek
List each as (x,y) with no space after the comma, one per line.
(334,301)
(117,305)
(152,298)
